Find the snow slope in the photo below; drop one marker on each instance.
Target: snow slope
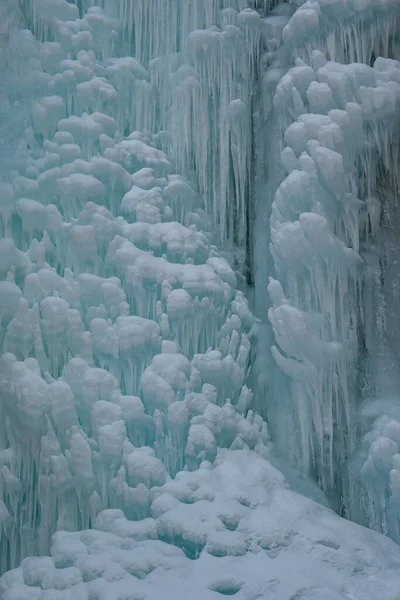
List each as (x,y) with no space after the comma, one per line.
(234,529)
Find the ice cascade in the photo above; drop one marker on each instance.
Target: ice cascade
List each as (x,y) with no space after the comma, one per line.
(333,221)
(147,176)
(126,340)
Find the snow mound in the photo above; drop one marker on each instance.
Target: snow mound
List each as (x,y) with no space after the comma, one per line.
(235,529)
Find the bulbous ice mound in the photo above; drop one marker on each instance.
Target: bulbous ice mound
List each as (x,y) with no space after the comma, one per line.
(129,449)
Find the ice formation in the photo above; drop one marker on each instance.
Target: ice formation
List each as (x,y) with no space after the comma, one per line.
(317,237)
(333,227)
(147,176)
(125,339)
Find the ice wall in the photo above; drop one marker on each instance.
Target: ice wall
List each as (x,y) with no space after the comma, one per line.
(200,66)
(125,339)
(316,222)
(333,209)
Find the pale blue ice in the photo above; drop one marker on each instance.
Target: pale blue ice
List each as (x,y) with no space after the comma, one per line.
(199,299)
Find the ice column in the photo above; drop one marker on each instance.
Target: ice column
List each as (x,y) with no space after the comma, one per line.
(336,122)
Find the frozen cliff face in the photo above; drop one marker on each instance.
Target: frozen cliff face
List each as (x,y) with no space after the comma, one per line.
(325,216)
(134,165)
(334,223)
(191,62)
(125,338)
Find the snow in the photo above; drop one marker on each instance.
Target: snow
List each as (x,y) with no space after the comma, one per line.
(242,525)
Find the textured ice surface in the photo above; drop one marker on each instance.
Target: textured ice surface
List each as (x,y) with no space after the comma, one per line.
(129,445)
(202,67)
(352,31)
(323,211)
(332,181)
(125,339)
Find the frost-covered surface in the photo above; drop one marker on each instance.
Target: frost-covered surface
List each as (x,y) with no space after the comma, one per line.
(257,539)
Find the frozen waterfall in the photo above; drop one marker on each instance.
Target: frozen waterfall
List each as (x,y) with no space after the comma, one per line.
(199,299)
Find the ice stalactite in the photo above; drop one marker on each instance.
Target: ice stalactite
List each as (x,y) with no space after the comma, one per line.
(204,69)
(215,85)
